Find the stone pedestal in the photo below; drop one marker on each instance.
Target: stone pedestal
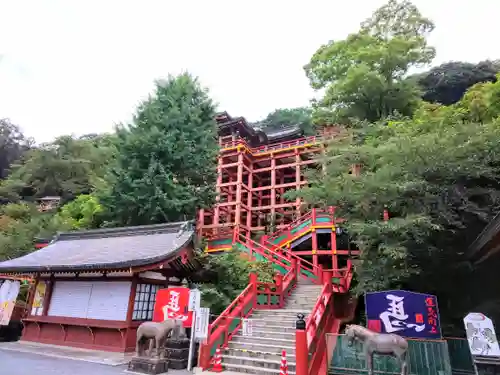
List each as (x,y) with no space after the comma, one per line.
(147,365)
(177,353)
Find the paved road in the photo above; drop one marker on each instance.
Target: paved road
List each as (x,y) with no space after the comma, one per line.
(17,363)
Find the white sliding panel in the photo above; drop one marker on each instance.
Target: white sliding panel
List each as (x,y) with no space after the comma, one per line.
(70,299)
(109,300)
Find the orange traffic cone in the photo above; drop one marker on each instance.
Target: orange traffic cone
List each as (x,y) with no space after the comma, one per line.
(284,365)
(217,361)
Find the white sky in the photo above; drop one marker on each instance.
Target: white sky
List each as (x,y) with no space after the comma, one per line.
(75,66)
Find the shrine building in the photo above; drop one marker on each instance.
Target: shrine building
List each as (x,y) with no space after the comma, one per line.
(91,289)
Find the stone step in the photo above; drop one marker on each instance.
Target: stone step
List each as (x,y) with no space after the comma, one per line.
(263,347)
(307,297)
(275,327)
(300,305)
(282,317)
(259,354)
(281,312)
(263,332)
(256,362)
(253,370)
(277,341)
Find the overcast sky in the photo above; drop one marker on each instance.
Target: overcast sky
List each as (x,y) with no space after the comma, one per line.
(74,66)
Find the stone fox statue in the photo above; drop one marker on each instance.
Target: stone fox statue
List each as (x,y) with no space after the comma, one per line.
(157,334)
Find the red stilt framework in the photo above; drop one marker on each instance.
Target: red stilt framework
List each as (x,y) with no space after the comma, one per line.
(255,170)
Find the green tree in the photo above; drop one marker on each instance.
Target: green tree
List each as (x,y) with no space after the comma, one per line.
(66,167)
(363,76)
(282,117)
(447,83)
(21,224)
(225,276)
(82,213)
(167,158)
(13,144)
(438,176)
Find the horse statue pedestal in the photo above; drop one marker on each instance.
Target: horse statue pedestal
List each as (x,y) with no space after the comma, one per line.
(148,365)
(177,353)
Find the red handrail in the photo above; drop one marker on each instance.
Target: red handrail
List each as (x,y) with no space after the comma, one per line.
(269,254)
(280,145)
(300,220)
(284,260)
(320,316)
(221,331)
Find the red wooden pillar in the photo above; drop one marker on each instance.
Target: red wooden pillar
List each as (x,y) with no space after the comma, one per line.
(249,200)
(301,349)
(333,239)
(314,241)
(297,180)
(49,288)
(215,219)
(259,204)
(239,188)
(273,188)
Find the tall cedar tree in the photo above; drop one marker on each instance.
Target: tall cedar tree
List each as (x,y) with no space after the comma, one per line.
(167,158)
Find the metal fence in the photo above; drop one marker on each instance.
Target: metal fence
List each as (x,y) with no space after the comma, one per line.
(460,357)
(424,358)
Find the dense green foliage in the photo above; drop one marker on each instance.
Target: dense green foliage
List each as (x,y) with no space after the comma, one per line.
(166,165)
(13,144)
(65,168)
(284,117)
(363,76)
(447,83)
(229,274)
(435,168)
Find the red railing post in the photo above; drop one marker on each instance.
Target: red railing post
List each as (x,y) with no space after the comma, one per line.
(301,350)
(253,282)
(278,280)
(296,267)
(313,217)
(320,273)
(327,278)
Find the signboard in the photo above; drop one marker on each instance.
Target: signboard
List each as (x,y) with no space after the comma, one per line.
(481,335)
(194,299)
(247,327)
(8,296)
(38,300)
(201,324)
(404,313)
(172,303)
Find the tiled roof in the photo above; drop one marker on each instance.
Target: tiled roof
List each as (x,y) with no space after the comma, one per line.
(113,248)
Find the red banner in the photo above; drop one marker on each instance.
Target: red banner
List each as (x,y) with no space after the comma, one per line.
(172,303)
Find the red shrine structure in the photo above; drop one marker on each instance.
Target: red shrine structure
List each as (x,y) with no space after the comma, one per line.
(255,171)
(92,289)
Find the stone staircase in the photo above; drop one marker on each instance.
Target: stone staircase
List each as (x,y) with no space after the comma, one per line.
(273,331)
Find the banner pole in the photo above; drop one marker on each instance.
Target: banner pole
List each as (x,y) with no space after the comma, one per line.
(191,343)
